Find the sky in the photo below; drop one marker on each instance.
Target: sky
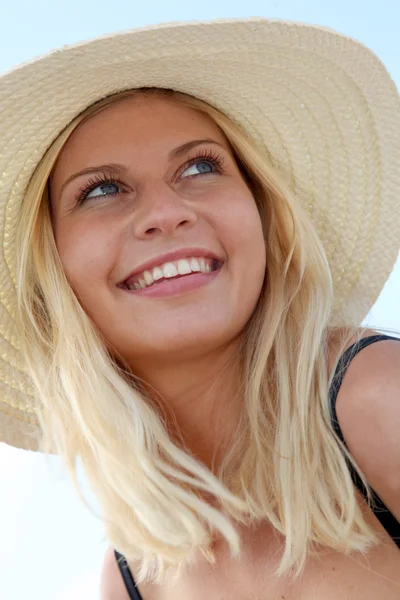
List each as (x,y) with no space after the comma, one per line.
(51,545)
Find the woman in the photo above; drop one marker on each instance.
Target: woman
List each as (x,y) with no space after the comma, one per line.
(197,219)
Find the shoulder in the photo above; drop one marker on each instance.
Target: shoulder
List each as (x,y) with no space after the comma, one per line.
(112,586)
(368,411)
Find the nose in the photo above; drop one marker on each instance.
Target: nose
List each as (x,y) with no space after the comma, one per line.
(162,211)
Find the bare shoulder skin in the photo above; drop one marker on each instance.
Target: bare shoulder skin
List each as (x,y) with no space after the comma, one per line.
(368,410)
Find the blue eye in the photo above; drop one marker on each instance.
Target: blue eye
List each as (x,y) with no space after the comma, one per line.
(203,167)
(106,189)
(98,187)
(204,163)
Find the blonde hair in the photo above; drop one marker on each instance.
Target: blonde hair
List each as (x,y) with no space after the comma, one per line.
(285,464)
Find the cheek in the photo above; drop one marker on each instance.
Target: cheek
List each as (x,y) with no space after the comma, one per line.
(85,253)
(243,238)
(243,232)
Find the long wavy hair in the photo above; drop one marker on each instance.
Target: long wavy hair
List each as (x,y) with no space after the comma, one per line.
(284,464)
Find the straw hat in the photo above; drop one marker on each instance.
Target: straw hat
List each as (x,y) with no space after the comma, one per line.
(322,104)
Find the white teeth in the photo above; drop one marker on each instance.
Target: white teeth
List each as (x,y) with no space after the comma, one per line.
(148,277)
(157,273)
(202,264)
(184,267)
(169,270)
(194,265)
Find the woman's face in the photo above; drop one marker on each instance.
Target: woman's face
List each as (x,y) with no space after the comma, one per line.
(157,231)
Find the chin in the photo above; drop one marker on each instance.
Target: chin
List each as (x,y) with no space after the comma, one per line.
(182,343)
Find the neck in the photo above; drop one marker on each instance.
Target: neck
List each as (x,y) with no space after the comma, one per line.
(200,398)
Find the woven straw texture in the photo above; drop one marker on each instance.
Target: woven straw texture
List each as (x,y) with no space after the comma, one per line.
(322,104)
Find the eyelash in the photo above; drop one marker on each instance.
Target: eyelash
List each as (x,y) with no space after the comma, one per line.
(207,156)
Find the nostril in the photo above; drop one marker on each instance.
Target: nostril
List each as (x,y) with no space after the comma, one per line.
(183,223)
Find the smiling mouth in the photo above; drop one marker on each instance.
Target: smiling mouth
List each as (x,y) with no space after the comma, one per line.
(172,270)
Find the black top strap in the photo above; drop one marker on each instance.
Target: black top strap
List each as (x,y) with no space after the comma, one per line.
(386,518)
(130,584)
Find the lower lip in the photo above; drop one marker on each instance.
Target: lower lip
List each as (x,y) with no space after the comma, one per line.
(176,286)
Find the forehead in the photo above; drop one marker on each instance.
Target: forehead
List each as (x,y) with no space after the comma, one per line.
(141,120)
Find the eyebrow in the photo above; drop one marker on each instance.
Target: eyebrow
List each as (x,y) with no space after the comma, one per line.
(116,168)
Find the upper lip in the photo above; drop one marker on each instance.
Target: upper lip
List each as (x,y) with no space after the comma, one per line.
(168,257)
